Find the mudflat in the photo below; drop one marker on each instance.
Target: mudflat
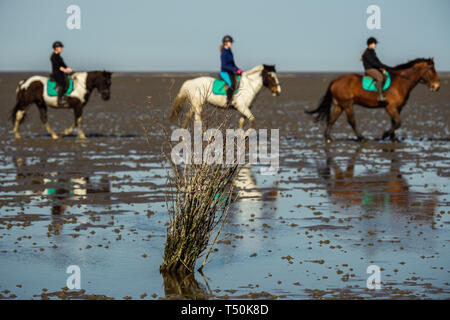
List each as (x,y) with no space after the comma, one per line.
(311,231)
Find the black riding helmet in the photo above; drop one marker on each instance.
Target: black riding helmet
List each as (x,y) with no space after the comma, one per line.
(57,44)
(371,40)
(227,38)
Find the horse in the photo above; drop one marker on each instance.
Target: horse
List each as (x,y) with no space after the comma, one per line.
(346,90)
(199,91)
(34,90)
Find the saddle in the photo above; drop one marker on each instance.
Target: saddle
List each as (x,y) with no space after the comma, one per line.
(368,83)
(53,92)
(220,87)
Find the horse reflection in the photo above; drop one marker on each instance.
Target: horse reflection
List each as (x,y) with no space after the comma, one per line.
(59,188)
(388,191)
(249,196)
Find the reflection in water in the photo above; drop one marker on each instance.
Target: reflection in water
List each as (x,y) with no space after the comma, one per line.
(251,198)
(178,286)
(60,188)
(379,192)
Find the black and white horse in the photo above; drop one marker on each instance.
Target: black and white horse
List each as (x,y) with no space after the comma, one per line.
(34,90)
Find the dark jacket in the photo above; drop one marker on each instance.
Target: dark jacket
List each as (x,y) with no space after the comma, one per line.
(227,60)
(57,62)
(371,61)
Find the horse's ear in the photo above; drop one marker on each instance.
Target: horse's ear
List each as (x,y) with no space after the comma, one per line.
(269,68)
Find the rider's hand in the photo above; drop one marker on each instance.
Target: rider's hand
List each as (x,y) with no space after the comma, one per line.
(68,70)
(239,71)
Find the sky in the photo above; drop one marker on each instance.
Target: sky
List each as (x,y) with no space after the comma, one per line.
(184,35)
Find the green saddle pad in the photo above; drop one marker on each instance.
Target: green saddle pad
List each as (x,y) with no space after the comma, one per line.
(219,86)
(368,83)
(51,88)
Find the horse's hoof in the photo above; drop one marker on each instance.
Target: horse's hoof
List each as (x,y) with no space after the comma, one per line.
(54,137)
(83,137)
(17,137)
(328,140)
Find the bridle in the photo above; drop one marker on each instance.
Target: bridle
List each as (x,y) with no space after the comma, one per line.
(266,81)
(428,80)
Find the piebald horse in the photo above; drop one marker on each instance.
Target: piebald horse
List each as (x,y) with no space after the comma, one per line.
(199,91)
(346,90)
(34,90)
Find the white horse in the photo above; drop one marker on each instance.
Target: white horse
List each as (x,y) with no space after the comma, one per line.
(199,91)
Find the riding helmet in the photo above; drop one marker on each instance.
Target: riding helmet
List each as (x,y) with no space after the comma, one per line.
(227,38)
(57,44)
(371,40)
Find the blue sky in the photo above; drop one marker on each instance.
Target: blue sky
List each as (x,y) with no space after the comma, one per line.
(177,35)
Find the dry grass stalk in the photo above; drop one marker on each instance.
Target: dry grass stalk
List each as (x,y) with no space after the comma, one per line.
(198,208)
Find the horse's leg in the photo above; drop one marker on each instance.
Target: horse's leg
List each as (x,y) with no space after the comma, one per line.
(70,129)
(197,112)
(351,120)
(78,111)
(245,111)
(18,116)
(241,122)
(43,115)
(337,110)
(188,117)
(395,122)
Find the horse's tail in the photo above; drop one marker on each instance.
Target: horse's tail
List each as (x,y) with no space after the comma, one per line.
(324,108)
(19,94)
(179,102)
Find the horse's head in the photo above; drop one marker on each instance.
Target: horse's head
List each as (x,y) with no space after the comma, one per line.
(270,79)
(102,82)
(429,75)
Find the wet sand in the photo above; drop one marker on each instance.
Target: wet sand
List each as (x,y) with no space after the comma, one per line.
(309,232)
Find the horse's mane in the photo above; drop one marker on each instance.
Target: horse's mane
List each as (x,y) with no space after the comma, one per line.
(410,64)
(255,69)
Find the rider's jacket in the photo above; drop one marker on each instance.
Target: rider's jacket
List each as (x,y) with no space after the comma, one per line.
(227,60)
(371,61)
(57,62)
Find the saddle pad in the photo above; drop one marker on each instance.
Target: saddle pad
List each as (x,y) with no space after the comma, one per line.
(368,83)
(219,86)
(51,88)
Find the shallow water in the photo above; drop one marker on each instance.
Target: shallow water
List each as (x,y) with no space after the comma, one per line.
(310,231)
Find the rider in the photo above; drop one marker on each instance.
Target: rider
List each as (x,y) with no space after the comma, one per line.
(373,67)
(228,70)
(59,71)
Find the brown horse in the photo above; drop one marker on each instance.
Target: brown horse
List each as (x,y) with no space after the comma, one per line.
(346,90)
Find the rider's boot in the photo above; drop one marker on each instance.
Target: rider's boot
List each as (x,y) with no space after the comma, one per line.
(62,101)
(380,96)
(230,92)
